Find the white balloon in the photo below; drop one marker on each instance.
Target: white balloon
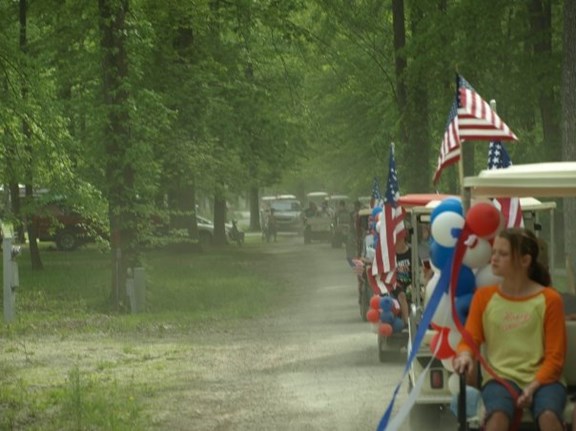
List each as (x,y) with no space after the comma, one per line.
(478,254)
(454,384)
(378,226)
(447,363)
(430,286)
(454,338)
(485,277)
(443,314)
(444,228)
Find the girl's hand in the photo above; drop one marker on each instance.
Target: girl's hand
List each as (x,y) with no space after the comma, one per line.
(526,397)
(463,363)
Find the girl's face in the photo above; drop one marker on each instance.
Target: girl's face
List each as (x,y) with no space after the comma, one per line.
(501,260)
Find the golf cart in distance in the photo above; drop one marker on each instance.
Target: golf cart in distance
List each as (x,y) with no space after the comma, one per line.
(399,340)
(342,221)
(317,217)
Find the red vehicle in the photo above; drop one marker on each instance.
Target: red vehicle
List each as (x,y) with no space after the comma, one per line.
(57,221)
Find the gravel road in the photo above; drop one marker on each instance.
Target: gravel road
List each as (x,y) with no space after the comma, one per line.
(312,366)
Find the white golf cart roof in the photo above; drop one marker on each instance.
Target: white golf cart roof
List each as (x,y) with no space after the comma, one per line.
(527,203)
(339,197)
(552,179)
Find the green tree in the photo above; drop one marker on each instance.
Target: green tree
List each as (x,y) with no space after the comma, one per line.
(569,124)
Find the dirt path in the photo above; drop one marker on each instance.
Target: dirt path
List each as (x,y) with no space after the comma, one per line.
(314,366)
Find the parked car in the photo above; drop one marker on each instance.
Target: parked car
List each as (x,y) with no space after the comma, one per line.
(171,225)
(59,221)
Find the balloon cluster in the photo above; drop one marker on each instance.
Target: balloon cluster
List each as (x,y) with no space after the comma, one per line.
(478,229)
(384,313)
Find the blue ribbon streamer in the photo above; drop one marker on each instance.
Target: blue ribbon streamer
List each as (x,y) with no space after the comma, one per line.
(439,290)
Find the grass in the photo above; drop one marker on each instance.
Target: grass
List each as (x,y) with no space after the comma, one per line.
(68,363)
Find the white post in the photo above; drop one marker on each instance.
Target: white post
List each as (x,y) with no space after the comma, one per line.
(139,289)
(136,289)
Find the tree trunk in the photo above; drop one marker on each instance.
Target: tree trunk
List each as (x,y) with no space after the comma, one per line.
(400,63)
(254,209)
(35,260)
(541,25)
(119,167)
(419,131)
(219,216)
(569,123)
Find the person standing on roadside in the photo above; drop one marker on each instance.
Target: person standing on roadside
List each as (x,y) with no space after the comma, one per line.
(403,276)
(520,326)
(272,224)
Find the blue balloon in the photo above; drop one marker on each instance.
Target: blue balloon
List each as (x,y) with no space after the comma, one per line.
(386,303)
(466,282)
(440,255)
(398,324)
(387,317)
(448,204)
(462,304)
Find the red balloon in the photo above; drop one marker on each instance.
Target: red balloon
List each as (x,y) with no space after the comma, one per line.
(440,341)
(373,316)
(375,302)
(483,219)
(385,329)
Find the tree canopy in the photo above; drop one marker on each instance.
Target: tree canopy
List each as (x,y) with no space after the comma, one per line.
(150,106)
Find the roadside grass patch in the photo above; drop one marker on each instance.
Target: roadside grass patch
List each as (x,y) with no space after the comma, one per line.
(69,363)
(72,292)
(80,402)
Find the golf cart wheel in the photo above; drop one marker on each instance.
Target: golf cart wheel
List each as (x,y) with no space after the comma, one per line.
(422,415)
(382,350)
(364,300)
(67,240)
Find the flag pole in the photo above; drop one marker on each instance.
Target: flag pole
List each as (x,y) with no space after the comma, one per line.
(463,192)
(465,202)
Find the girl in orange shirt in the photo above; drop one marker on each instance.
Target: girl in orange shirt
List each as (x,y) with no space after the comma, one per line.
(520,324)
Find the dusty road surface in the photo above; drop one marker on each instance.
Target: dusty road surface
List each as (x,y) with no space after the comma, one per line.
(313,366)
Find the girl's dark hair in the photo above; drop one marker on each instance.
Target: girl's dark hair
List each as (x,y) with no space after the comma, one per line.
(522,242)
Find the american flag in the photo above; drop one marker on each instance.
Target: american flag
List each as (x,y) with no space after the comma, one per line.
(510,208)
(375,198)
(470,118)
(391,227)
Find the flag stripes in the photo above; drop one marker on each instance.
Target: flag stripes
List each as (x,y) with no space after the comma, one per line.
(470,118)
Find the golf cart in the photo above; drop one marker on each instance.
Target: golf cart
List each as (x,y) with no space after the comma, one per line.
(552,179)
(317,217)
(342,221)
(524,181)
(391,344)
